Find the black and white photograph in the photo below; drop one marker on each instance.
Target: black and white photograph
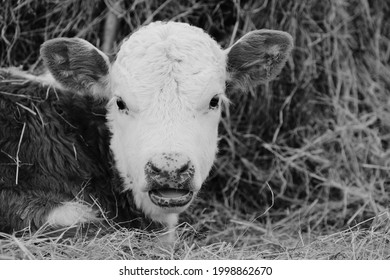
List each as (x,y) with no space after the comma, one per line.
(195,130)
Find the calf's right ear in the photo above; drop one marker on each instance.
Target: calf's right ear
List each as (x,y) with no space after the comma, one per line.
(258,57)
(77,65)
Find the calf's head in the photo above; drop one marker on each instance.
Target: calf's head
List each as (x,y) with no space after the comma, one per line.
(165,90)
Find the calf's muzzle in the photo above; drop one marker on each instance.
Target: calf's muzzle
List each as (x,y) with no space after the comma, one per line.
(169,177)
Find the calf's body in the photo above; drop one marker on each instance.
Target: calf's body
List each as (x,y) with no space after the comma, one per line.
(55,150)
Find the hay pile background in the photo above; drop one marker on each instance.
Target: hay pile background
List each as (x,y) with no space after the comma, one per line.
(304,163)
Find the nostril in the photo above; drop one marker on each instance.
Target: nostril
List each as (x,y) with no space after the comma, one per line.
(154,168)
(184,168)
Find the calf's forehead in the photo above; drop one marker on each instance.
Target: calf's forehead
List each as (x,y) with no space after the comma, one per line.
(172,57)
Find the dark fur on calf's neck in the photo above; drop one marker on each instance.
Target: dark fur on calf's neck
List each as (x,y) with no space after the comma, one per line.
(64,155)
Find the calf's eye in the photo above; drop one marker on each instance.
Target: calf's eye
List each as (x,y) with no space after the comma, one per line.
(214,102)
(121,104)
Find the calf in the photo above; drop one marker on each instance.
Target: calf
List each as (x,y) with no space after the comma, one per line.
(135,139)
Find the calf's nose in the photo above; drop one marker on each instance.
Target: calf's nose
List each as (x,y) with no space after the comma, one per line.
(170,166)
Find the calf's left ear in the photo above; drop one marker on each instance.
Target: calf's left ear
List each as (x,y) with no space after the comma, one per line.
(258,57)
(77,65)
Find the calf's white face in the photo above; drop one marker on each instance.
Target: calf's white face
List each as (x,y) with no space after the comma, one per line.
(165,91)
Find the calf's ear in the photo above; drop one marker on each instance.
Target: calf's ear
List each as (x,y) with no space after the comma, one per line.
(258,57)
(77,65)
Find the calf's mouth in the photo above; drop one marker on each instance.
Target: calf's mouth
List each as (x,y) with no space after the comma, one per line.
(167,197)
